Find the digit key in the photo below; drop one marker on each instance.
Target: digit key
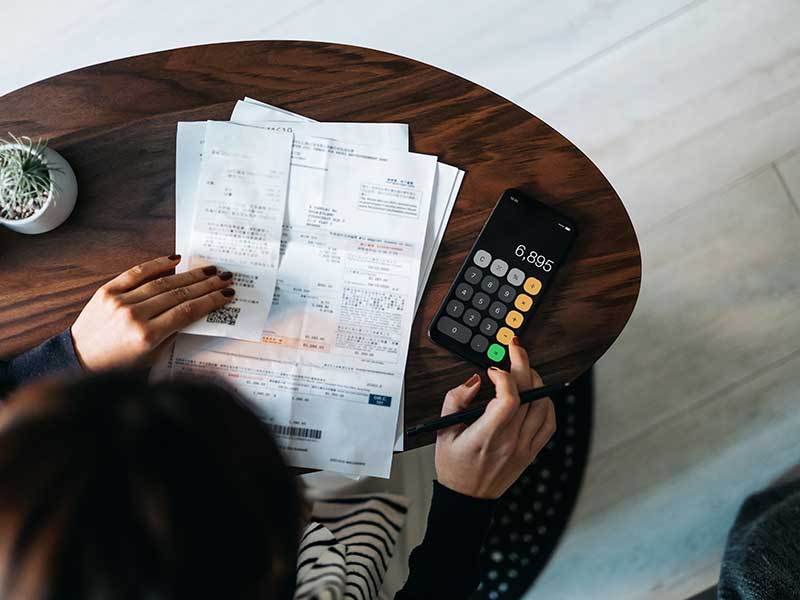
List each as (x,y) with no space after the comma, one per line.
(488,326)
(497,310)
(506,293)
(489,283)
(464,291)
(472,317)
(455,308)
(473,275)
(480,300)
(514,319)
(454,329)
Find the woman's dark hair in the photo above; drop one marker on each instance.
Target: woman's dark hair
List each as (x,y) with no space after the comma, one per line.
(111,487)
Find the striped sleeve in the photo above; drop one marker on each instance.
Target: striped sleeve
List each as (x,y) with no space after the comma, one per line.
(365,529)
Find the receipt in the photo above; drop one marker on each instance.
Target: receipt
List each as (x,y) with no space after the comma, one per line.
(239,203)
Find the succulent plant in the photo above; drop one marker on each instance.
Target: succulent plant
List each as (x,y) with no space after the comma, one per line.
(25,183)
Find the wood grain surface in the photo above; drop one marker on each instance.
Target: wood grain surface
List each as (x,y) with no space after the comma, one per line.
(115,123)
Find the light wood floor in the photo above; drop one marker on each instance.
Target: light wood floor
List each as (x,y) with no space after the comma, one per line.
(692,110)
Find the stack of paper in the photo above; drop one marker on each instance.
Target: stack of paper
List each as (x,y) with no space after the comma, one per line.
(331,230)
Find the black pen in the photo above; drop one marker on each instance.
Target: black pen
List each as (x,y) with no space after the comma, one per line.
(475,412)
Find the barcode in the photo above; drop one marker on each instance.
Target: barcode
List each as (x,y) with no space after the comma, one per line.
(226,315)
(301,432)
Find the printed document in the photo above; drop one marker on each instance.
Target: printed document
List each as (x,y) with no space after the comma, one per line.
(239,203)
(328,374)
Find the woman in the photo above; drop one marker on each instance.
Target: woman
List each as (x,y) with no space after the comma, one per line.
(111,487)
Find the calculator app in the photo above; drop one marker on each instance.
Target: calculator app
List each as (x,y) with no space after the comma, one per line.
(503,279)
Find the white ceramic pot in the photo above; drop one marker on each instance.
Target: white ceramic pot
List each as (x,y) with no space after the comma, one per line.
(60,201)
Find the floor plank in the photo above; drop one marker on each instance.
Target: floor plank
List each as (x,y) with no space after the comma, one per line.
(508,47)
(692,106)
(719,301)
(69,35)
(659,530)
(789,172)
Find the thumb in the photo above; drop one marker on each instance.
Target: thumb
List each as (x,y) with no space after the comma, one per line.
(501,409)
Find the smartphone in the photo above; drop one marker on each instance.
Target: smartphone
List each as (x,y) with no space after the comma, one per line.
(503,279)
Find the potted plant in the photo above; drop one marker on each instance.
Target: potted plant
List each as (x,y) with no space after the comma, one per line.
(37,186)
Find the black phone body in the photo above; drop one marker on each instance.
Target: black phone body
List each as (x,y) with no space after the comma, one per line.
(503,279)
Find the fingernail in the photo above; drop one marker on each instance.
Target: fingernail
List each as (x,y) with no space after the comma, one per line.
(472,380)
(228,292)
(174,257)
(515,341)
(225,275)
(497,369)
(210,270)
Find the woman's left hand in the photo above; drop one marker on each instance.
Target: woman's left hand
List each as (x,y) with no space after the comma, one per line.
(131,316)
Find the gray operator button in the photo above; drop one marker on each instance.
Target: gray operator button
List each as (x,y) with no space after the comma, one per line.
(516,277)
(499,267)
(473,275)
(479,343)
(482,258)
(454,329)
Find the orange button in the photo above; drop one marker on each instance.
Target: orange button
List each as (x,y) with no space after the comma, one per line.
(504,335)
(523,302)
(513,319)
(532,285)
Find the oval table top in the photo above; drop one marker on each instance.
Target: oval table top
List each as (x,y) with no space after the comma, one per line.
(115,123)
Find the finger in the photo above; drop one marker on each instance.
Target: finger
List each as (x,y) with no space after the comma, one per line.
(534,419)
(136,276)
(458,399)
(520,367)
(168,282)
(546,431)
(501,409)
(152,307)
(186,313)
(536,378)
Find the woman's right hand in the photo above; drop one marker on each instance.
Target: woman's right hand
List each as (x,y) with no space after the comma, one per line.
(484,459)
(131,316)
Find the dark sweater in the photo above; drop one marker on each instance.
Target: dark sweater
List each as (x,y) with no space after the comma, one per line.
(55,356)
(762,556)
(445,565)
(447,562)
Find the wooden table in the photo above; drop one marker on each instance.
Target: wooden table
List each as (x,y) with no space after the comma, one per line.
(115,124)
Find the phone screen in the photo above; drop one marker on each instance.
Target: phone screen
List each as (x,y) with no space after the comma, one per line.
(528,235)
(503,279)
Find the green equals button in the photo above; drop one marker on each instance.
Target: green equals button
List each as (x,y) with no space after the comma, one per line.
(496,352)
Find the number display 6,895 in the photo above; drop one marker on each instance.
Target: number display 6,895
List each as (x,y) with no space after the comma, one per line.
(534,258)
